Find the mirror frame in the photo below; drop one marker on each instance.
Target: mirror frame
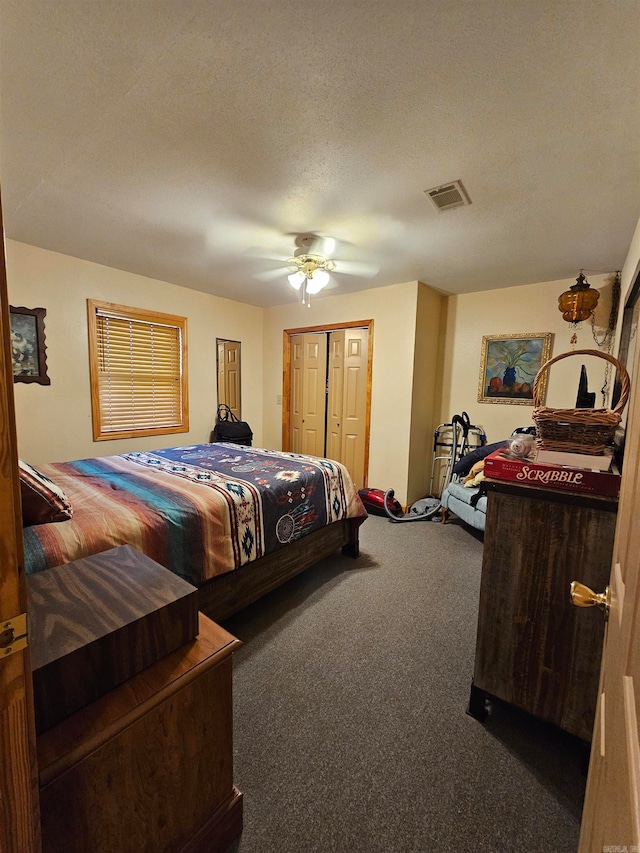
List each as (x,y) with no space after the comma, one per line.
(218,393)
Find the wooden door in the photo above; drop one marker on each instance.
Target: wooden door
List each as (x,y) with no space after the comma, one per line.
(308,387)
(297,365)
(348,393)
(335,385)
(611,815)
(354,403)
(19,814)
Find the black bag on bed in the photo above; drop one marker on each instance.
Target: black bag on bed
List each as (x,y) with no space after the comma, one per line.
(229,428)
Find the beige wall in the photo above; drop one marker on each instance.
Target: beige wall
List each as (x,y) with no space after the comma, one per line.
(393,310)
(526,309)
(426,358)
(54,422)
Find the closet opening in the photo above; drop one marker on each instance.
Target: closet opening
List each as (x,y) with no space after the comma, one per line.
(326,399)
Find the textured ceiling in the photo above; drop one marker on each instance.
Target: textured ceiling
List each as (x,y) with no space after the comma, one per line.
(191,141)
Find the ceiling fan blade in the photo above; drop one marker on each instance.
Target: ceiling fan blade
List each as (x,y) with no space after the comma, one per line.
(231,233)
(264,254)
(272,275)
(323,245)
(311,243)
(358,268)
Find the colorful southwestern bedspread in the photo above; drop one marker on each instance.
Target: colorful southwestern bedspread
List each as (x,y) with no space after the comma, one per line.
(200,511)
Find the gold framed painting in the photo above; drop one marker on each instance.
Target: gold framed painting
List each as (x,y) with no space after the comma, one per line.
(508,367)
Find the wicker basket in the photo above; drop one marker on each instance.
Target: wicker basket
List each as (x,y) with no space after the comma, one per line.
(587,431)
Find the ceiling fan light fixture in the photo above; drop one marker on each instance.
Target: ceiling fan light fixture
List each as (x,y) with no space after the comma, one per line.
(296,279)
(309,273)
(317,280)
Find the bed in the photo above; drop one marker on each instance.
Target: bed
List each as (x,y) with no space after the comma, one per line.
(234,521)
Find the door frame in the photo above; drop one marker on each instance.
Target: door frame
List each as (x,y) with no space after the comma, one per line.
(19,801)
(287,334)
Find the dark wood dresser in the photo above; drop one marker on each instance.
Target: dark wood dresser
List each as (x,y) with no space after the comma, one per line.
(534,649)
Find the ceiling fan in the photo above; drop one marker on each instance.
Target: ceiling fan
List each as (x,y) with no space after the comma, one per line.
(308,269)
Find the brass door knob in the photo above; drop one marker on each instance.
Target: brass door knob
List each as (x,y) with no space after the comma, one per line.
(582,596)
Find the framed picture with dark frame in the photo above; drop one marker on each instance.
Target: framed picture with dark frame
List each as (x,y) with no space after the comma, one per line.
(627,354)
(28,350)
(508,367)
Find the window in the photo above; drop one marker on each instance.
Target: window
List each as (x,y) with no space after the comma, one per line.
(138,368)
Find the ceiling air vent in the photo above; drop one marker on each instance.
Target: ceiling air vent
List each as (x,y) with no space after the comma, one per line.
(448,196)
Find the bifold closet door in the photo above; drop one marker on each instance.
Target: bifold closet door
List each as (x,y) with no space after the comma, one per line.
(329,383)
(354,344)
(335,386)
(308,384)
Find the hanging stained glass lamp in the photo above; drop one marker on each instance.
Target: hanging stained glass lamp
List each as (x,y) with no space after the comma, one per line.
(579,302)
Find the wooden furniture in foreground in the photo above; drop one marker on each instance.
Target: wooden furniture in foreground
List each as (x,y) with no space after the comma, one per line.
(97,621)
(148,767)
(535,649)
(226,594)
(19,817)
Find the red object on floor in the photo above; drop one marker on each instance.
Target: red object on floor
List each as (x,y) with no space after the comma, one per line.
(373,500)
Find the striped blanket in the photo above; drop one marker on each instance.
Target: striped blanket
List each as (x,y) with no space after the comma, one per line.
(200,511)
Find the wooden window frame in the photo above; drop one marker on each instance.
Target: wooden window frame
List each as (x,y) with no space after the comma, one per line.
(95,307)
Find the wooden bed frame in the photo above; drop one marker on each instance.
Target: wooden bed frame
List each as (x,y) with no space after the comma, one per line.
(226,594)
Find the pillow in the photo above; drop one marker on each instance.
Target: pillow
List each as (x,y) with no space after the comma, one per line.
(42,500)
(464,465)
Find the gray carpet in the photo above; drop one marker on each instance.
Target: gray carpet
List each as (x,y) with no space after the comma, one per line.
(350,727)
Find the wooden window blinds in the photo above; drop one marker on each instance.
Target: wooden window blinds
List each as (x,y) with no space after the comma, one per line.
(138,367)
